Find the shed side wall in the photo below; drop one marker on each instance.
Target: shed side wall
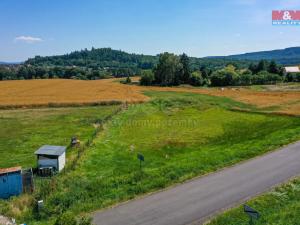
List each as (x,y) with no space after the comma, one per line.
(61,161)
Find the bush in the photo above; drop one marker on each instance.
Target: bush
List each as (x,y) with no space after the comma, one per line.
(265,77)
(258,79)
(225,77)
(85,221)
(147,78)
(128,80)
(196,79)
(246,79)
(272,78)
(66,219)
(293,77)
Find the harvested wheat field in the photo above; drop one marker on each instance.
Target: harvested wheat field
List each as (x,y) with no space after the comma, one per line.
(43,92)
(286,102)
(59,91)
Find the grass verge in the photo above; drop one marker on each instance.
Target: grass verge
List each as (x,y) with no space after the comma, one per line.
(281,206)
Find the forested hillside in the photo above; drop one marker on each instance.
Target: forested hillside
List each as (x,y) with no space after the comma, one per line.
(107,58)
(97,58)
(98,64)
(288,56)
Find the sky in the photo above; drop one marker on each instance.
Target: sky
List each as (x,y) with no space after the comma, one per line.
(196,27)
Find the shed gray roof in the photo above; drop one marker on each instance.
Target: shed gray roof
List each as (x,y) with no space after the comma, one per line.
(51,150)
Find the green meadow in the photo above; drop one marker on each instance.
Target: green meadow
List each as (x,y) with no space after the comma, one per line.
(181,136)
(23,131)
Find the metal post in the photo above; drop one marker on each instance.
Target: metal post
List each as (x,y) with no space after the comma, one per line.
(251,221)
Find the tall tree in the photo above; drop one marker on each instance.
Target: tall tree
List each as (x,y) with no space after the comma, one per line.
(168,70)
(23,73)
(204,71)
(186,71)
(262,65)
(253,68)
(273,68)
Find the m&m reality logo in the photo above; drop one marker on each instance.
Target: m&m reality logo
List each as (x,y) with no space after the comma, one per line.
(286,17)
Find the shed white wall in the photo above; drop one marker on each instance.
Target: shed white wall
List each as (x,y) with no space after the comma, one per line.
(61,161)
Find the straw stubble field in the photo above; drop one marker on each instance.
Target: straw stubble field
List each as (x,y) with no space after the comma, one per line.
(57,92)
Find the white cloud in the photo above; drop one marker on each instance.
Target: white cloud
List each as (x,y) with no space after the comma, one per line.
(28,39)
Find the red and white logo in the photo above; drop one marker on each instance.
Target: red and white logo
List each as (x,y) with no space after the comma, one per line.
(286,17)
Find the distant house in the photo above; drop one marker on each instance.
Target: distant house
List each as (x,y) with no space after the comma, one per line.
(291,69)
(49,156)
(10,182)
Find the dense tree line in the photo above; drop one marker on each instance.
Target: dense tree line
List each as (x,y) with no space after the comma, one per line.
(114,59)
(104,60)
(175,70)
(97,64)
(25,72)
(164,69)
(263,72)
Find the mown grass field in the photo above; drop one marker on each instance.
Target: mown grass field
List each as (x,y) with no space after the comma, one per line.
(281,206)
(181,135)
(22,132)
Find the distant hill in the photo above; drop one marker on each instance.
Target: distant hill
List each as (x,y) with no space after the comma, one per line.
(102,57)
(110,59)
(288,56)
(9,63)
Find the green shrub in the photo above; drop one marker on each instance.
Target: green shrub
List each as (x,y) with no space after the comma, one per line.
(245,79)
(225,77)
(85,220)
(66,219)
(128,80)
(147,78)
(264,77)
(292,77)
(196,79)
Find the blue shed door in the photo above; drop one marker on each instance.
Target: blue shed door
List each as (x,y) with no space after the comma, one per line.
(10,185)
(4,186)
(15,184)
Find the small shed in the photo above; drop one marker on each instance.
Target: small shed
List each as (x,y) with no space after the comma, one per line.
(50,156)
(10,182)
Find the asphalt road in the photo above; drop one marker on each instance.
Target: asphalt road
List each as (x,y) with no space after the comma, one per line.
(195,201)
